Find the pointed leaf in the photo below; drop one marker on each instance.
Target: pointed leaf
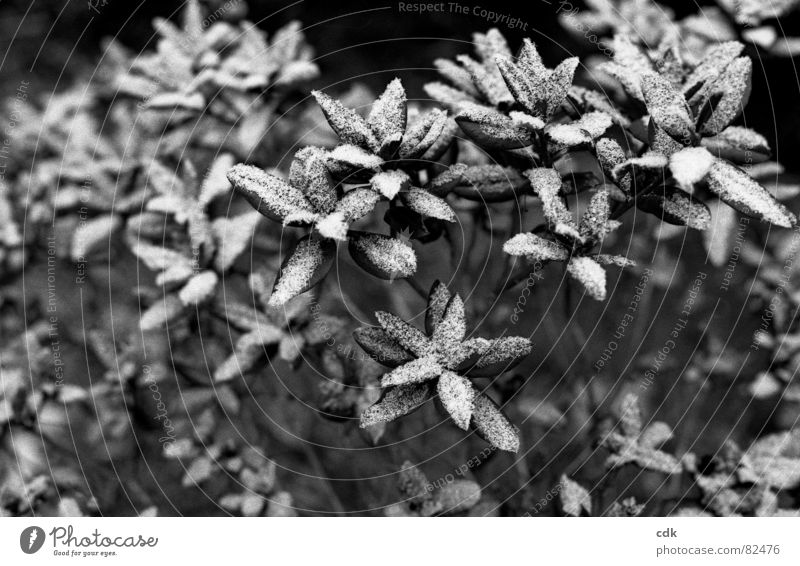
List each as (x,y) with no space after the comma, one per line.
(351,128)
(491,424)
(590,274)
(382,256)
(396,402)
(306,266)
(415,371)
(457,395)
(268,194)
(380,346)
(535,248)
(424,203)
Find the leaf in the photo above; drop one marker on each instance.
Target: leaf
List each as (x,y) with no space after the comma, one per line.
(714,62)
(546,183)
(452,327)
(421,135)
(233,235)
(668,108)
(490,183)
(738,144)
(161,312)
(491,129)
(630,416)
(424,203)
(91,234)
(590,274)
(676,207)
(446,181)
(590,126)
(305,266)
(357,203)
(492,425)
(457,395)
(574,498)
(493,357)
(438,299)
(415,371)
(595,221)
(216,183)
(732,92)
(690,165)
(610,154)
(199,288)
(655,435)
(269,195)
(387,118)
(309,174)
(458,496)
(382,256)
(535,248)
(389,183)
(351,156)
(351,128)
(410,338)
(381,347)
(720,238)
(737,189)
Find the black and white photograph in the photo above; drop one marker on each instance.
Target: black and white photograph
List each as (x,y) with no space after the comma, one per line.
(491,264)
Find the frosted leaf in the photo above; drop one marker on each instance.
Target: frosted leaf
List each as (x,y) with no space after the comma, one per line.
(396,402)
(199,288)
(403,333)
(630,416)
(308,263)
(490,45)
(457,395)
(652,162)
(522,87)
(381,347)
(738,190)
(668,108)
(492,425)
(448,96)
(590,126)
(452,327)
(574,498)
(690,165)
(526,121)
(383,256)
(765,385)
(158,258)
(309,174)
(422,134)
(387,118)
(610,154)
(486,79)
(590,274)
(353,156)
(594,222)
(92,234)
(535,248)
(457,75)
(489,128)
(415,371)
(714,62)
(676,207)
(424,203)
(301,218)
(438,299)
(777,471)
(161,312)
(357,203)
(389,183)
(333,226)
(493,357)
(490,183)
(655,435)
(738,144)
(558,84)
(177,273)
(733,92)
(177,100)
(216,183)
(649,459)
(546,183)
(617,260)
(458,496)
(249,349)
(351,128)
(233,235)
(268,194)
(446,181)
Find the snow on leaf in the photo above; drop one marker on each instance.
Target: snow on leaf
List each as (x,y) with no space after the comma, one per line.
(535,248)
(357,203)
(457,395)
(574,498)
(676,207)
(495,356)
(309,174)
(387,118)
(422,134)
(655,435)
(668,108)
(382,256)
(351,128)
(354,156)
(164,310)
(738,144)
(233,236)
(590,274)
(415,371)
(558,84)
(389,183)
(732,92)
(649,161)
(396,402)
(490,128)
(546,183)
(268,194)
(333,226)
(438,299)
(492,425)
(458,496)
(446,181)
(199,288)
(381,347)
(590,126)
(308,263)
(714,62)
(452,327)
(737,189)
(630,416)
(408,337)
(91,234)
(617,260)
(690,165)
(525,121)
(426,204)
(610,154)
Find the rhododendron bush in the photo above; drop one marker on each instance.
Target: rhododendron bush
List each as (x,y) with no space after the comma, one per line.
(522,280)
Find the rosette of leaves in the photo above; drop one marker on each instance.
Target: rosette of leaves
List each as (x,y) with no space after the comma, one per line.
(176,238)
(440,361)
(267,331)
(692,142)
(421,498)
(385,148)
(567,241)
(311,199)
(633,443)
